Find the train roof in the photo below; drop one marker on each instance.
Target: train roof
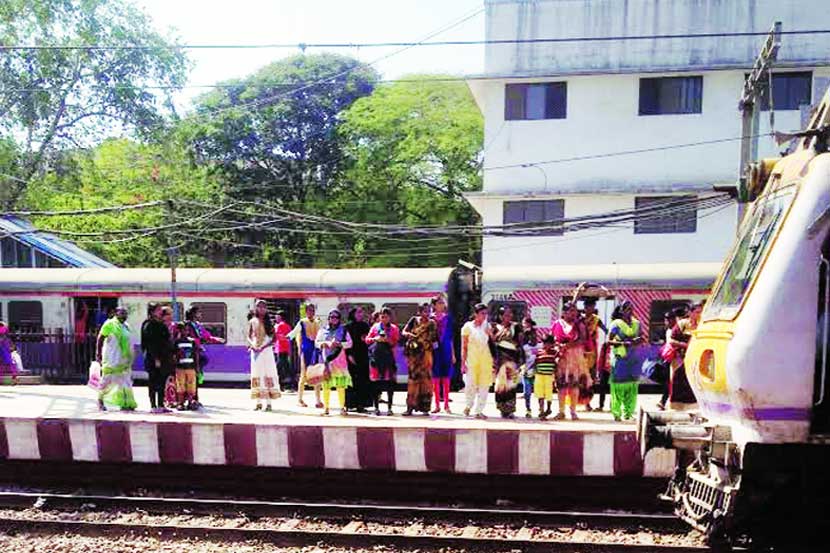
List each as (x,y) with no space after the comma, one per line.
(675,275)
(225,280)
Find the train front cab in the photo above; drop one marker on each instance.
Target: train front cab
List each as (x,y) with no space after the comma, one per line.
(754,458)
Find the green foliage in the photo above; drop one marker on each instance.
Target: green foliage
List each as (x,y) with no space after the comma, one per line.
(413,148)
(273,138)
(122,172)
(53,99)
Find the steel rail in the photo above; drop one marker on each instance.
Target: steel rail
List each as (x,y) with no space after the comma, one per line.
(340,511)
(348,536)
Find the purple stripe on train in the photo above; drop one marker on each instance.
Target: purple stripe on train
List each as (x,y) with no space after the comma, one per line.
(758,413)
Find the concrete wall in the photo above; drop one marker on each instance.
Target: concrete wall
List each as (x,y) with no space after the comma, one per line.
(602,117)
(509,19)
(715,232)
(603,85)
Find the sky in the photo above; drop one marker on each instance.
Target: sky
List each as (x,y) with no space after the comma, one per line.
(309,21)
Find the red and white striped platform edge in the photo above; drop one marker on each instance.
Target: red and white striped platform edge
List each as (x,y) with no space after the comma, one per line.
(450,450)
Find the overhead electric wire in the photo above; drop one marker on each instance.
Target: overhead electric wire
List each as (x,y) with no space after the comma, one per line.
(335,76)
(397,44)
(623,152)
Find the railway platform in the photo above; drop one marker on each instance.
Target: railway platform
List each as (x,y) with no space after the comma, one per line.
(62,423)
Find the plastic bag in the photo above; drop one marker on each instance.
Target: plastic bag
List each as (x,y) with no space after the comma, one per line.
(94,381)
(315,374)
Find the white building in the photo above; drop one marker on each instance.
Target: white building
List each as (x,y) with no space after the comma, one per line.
(553,102)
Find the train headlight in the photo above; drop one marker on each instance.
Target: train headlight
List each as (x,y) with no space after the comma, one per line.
(706,365)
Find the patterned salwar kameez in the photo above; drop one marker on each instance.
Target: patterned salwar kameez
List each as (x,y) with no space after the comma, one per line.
(681,396)
(8,366)
(589,346)
(508,356)
(571,365)
(625,374)
(419,357)
(116,366)
(337,366)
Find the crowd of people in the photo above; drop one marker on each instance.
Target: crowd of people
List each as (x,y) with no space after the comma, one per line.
(577,358)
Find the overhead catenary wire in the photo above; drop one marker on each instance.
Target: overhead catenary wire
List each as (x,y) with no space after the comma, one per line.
(302,46)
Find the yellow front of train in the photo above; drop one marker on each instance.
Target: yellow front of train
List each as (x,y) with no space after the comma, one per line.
(757,361)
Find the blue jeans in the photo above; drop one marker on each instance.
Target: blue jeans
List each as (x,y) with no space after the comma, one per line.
(527,386)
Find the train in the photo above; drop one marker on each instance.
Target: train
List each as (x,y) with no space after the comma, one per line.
(40,304)
(754,457)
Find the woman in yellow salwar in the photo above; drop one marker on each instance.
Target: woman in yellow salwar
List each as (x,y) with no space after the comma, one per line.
(477,361)
(115,354)
(624,337)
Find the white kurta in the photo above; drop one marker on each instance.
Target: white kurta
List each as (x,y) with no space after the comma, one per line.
(264,381)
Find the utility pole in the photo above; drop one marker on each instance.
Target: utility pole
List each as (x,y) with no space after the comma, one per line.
(757,82)
(173,255)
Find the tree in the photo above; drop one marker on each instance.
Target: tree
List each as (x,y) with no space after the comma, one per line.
(123,172)
(53,98)
(272,136)
(413,147)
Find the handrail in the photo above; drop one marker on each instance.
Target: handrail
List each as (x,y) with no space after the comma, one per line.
(824,262)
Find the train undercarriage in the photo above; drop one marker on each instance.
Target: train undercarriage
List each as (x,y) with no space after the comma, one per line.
(760,496)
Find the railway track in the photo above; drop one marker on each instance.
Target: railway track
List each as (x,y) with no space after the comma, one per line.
(400,527)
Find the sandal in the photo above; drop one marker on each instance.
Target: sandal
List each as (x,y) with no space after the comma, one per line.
(302,403)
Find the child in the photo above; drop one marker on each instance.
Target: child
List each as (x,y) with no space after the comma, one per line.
(531,349)
(546,361)
(185,369)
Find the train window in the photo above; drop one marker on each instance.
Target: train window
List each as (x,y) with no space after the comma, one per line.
(26,316)
(402,312)
(656,320)
(214,317)
(519,308)
(757,234)
(168,304)
(368,309)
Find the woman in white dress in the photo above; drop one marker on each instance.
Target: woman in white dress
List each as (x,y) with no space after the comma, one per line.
(264,382)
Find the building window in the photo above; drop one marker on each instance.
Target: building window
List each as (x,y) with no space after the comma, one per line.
(214,317)
(789,91)
(537,211)
(657,318)
(526,101)
(671,95)
(26,316)
(665,214)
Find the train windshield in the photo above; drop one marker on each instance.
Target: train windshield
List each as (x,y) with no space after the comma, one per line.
(753,244)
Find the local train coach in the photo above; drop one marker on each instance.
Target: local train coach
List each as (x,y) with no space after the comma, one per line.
(56,312)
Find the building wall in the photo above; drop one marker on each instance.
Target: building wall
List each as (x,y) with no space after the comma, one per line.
(715,232)
(603,89)
(602,118)
(509,19)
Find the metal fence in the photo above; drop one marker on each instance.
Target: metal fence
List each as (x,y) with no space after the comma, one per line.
(55,355)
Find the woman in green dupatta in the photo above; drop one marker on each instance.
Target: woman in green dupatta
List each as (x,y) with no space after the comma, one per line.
(624,338)
(115,354)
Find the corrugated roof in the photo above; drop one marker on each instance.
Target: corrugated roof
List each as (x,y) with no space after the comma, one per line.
(62,250)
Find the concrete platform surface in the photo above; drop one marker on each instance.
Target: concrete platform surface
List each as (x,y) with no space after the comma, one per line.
(63,423)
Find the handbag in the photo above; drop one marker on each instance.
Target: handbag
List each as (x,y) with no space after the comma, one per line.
(94,381)
(315,374)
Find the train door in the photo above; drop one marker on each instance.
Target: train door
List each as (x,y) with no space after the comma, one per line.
(291,307)
(820,423)
(90,313)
